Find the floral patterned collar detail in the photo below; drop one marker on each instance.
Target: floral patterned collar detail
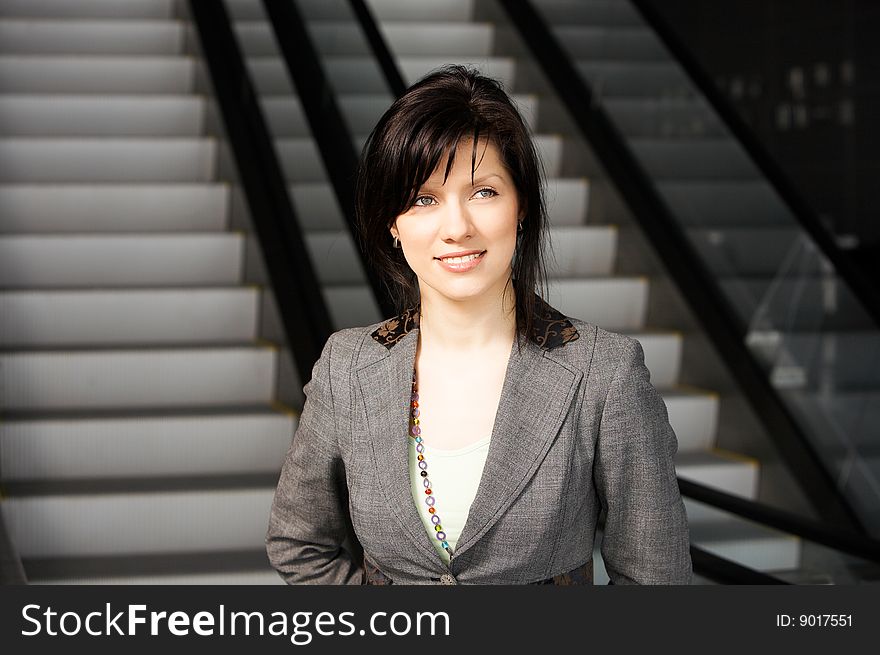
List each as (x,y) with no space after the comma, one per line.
(551,328)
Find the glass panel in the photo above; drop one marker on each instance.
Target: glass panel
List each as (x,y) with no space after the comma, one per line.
(819,347)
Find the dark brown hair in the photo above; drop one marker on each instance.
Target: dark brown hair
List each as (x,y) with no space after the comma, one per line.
(404,149)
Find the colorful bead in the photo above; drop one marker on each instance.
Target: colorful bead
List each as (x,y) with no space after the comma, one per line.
(415,432)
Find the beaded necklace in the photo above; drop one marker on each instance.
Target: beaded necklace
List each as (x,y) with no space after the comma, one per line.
(415,433)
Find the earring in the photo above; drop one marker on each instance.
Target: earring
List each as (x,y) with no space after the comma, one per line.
(519,227)
(396,242)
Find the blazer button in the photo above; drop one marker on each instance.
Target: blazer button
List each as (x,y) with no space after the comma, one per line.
(447,578)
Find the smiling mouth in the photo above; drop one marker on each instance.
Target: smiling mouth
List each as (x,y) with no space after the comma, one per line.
(461,260)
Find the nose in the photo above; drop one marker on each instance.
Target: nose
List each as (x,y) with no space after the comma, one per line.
(456,225)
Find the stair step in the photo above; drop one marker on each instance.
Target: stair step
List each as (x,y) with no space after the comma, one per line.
(734,203)
(728,472)
(332,38)
(613,79)
(115,207)
(693,414)
(612,303)
(597,43)
(351,305)
(838,361)
(138,523)
(662,356)
(144,446)
(65,261)
(115,9)
(96,74)
(24,36)
(105,116)
(704,159)
(607,13)
(751,250)
(797,302)
(137,378)
(335,257)
(108,317)
(568,200)
(581,251)
(361,75)
(32,160)
(748,544)
(664,118)
(451,10)
(265,577)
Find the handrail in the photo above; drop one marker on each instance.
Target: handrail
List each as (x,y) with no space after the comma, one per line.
(691,275)
(859,545)
(330,131)
(863,285)
(728,572)
(304,314)
(380,48)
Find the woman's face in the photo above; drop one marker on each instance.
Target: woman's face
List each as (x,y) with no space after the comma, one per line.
(476,222)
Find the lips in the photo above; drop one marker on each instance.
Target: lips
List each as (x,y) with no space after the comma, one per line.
(456,263)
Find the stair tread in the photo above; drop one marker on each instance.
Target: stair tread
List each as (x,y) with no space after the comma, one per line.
(143,413)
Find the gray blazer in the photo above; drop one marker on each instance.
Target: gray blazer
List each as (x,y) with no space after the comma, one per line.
(579,429)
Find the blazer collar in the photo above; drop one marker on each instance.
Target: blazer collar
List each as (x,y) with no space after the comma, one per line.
(551,328)
(535,398)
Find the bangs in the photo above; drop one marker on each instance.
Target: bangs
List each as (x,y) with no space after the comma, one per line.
(423,150)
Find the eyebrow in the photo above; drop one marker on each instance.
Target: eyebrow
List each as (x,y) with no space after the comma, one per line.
(477,180)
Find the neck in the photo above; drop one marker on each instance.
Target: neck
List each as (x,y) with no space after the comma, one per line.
(467,325)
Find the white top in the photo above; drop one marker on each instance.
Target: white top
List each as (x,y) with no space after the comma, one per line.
(454,476)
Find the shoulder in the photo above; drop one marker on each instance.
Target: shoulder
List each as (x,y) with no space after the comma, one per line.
(597,350)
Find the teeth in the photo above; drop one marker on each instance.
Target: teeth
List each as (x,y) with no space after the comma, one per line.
(459,260)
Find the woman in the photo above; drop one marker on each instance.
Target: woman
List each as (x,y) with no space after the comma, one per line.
(475,437)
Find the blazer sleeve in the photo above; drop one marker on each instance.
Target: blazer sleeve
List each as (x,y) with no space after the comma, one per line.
(646,538)
(308,523)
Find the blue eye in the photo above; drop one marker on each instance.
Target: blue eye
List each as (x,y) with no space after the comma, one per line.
(490,190)
(417,204)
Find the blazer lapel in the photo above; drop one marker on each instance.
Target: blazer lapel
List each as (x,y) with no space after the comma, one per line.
(386,385)
(535,398)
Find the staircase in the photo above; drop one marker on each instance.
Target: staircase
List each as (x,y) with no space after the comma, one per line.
(140,438)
